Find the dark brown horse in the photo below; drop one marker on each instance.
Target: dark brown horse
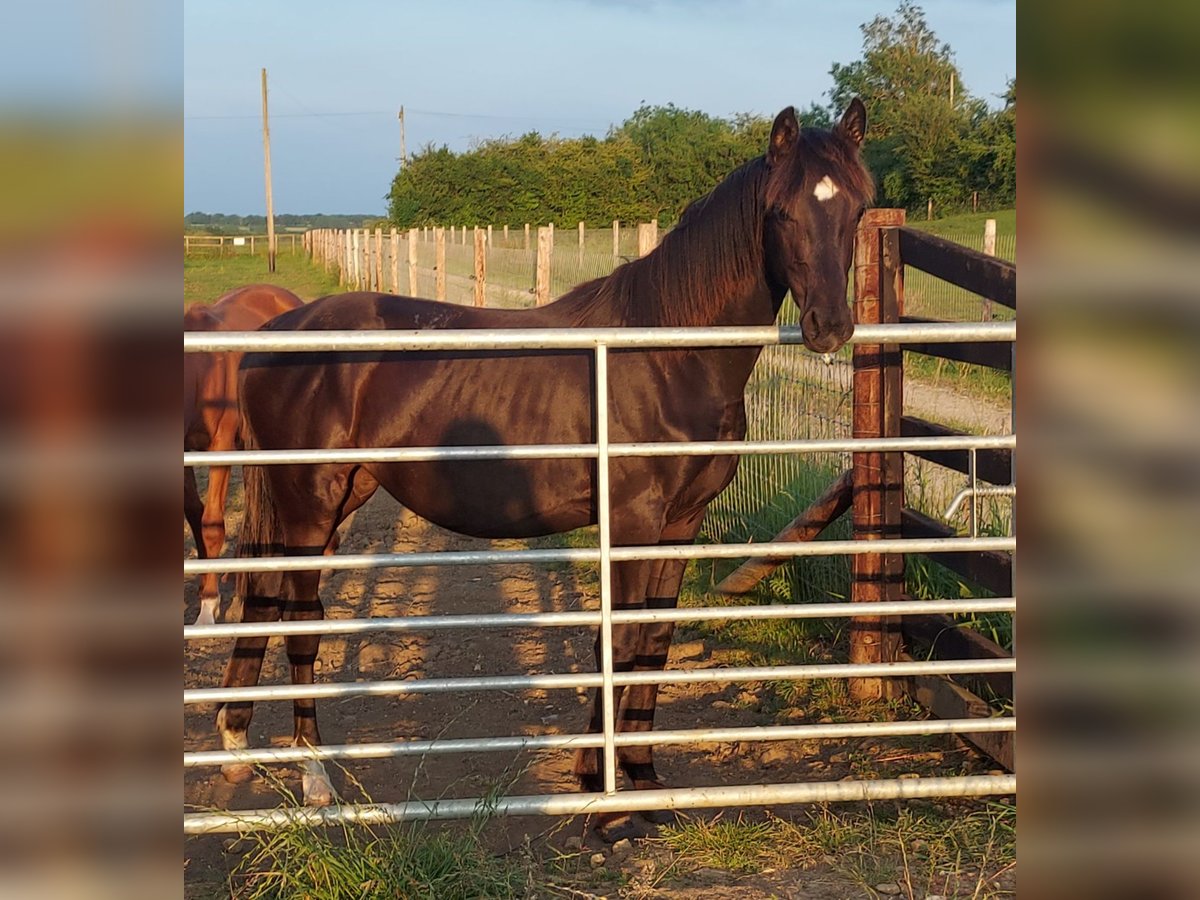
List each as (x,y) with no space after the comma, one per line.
(210,415)
(784,221)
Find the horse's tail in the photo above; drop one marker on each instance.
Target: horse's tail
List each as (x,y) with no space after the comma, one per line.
(261,533)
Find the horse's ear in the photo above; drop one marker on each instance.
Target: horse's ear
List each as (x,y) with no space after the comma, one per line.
(854,121)
(783,135)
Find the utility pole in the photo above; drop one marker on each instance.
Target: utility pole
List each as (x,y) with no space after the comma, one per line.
(403,150)
(267,174)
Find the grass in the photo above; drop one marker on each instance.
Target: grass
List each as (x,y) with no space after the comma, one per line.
(405,860)
(923,848)
(1006,223)
(206,276)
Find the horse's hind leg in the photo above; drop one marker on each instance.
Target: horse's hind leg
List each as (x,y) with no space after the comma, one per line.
(303,603)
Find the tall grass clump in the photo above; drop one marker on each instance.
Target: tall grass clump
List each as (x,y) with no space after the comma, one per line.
(405,861)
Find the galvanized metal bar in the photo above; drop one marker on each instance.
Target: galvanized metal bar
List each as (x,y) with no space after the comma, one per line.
(588,554)
(603,517)
(588,451)
(995,490)
(592,618)
(973,484)
(572,804)
(584,679)
(541,742)
(580,338)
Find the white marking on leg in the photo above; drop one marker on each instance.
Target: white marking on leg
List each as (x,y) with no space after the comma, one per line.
(825,189)
(318,790)
(233,740)
(209,607)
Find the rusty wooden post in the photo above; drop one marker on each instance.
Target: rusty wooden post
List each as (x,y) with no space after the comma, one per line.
(878,477)
(541,294)
(480,267)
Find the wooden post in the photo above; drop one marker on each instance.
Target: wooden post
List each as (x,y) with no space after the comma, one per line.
(989,247)
(929,215)
(251,245)
(355,276)
(412,262)
(267,175)
(489,236)
(878,477)
(616,240)
(647,237)
(439,236)
(526,235)
(480,267)
(395,240)
(974,201)
(581,231)
(505,235)
(551,227)
(820,514)
(343,258)
(542,284)
(379,259)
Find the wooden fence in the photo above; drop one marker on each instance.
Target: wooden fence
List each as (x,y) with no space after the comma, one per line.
(520,266)
(873,489)
(223,244)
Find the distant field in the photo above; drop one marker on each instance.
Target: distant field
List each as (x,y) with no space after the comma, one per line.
(1006,223)
(207,277)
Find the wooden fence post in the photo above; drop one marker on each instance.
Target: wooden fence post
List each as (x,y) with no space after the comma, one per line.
(395,242)
(505,235)
(379,259)
(412,262)
(878,477)
(647,237)
(439,264)
(356,273)
(989,247)
(489,236)
(616,240)
(480,267)
(581,233)
(542,283)
(526,235)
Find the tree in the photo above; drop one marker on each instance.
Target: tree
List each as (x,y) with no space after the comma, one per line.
(919,113)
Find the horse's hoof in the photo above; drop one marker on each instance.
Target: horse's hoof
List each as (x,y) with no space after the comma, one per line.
(237,773)
(208,612)
(615,827)
(317,789)
(659,816)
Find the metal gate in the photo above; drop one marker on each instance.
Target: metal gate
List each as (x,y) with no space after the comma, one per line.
(600,341)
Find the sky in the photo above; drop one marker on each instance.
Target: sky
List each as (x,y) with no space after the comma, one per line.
(471,70)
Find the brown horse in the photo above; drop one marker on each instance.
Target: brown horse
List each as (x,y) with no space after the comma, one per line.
(784,221)
(210,415)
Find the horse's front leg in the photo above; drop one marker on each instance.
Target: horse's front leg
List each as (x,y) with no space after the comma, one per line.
(213,539)
(245,665)
(638,704)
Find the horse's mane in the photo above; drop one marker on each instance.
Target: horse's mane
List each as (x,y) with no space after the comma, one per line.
(716,247)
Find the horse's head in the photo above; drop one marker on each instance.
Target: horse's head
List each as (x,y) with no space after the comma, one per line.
(817,190)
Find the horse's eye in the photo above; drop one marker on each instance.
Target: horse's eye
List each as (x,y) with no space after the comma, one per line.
(782,215)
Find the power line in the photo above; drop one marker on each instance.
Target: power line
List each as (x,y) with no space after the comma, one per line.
(409,111)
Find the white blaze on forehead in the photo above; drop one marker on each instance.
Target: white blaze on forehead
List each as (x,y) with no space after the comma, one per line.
(825,189)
